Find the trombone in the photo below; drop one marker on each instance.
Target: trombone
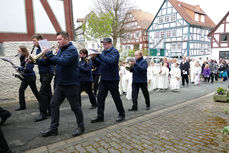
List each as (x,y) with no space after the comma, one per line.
(33,59)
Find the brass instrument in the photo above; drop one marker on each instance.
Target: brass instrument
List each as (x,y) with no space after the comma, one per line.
(129,65)
(33,59)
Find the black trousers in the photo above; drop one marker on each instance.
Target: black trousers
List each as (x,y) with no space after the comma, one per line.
(31,82)
(135,92)
(206,79)
(184,78)
(104,87)
(87,87)
(45,93)
(72,95)
(216,76)
(4,148)
(212,76)
(95,83)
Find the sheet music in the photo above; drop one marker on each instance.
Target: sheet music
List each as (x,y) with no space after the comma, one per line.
(44,44)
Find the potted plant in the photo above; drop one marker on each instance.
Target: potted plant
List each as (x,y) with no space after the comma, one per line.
(221,95)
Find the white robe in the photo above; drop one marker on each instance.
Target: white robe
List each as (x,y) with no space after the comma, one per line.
(192,71)
(163,81)
(150,78)
(197,72)
(125,79)
(121,73)
(155,73)
(129,86)
(175,74)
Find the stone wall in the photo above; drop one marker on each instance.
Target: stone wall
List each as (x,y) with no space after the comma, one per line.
(9,85)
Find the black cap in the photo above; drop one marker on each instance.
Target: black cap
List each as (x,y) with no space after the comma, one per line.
(109,40)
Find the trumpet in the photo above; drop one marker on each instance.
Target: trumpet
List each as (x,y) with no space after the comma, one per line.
(40,55)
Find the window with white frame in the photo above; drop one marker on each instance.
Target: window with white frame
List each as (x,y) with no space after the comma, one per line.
(137,34)
(173,46)
(156,34)
(174,33)
(161,19)
(196,16)
(202,18)
(166,18)
(162,34)
(168,33)
(173,17)
(179,46)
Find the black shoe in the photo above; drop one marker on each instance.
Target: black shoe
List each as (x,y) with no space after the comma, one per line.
(5,118)
(147,107)
(133,109)
(49,133)
(97,119)
(40,118)
(120,118)
(79,131)
(19,109)
(93,107)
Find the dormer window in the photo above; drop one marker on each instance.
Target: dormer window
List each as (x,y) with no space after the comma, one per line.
(196,16)
(202,18)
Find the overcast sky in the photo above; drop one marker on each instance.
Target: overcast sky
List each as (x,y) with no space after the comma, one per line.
(214,9)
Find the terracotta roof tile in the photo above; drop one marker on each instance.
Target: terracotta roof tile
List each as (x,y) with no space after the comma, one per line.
(181,8)
(144,19)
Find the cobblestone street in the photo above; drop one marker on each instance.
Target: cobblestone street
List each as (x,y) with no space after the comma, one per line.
(194,126)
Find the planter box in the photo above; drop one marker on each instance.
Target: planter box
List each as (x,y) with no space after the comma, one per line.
(220,98)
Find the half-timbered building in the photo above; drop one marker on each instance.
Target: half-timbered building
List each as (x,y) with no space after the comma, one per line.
(180,29)
(135,25)
(220,39)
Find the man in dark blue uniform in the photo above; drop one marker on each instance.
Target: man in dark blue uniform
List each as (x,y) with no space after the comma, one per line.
(67,84)
(109,60)
(46,74)
(86,79)
(139,69)
(95,73)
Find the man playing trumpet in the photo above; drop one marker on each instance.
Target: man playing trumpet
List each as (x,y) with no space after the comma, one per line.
(46,71)
(67,84)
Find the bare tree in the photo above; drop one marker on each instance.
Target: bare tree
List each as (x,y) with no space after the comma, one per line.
(118,10)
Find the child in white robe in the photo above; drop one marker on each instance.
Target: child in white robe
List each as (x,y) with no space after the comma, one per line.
(197,71)
(175,74)
(129,86)
(155,73)
(163,81)
(192,70)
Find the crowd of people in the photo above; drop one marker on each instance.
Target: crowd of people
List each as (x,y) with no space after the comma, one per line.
(97,74)
(169,74)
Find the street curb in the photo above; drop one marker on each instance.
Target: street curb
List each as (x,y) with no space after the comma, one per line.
(73,141)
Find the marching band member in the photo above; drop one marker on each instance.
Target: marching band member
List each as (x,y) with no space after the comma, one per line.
(67,84)
(109,59)
(95,73)
(46,71)
(163,80)
(29,77)
(139,69)
(175,74)
(86,78)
